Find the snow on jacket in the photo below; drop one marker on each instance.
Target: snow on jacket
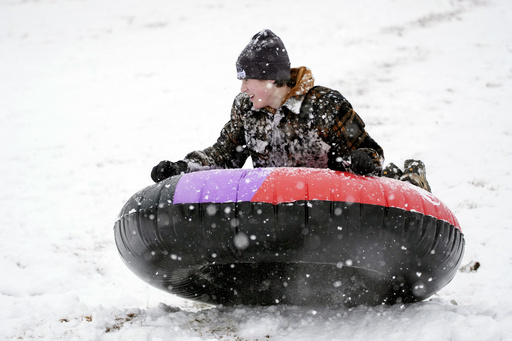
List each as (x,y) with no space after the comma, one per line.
(315,126)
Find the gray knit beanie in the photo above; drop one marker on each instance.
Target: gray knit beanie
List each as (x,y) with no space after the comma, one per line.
(265,58)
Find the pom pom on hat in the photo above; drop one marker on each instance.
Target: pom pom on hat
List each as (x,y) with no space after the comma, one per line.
(265,57)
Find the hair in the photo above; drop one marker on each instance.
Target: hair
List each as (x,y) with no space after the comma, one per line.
(290,83)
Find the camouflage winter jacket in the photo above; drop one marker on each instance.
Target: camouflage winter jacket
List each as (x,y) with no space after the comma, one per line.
(314,127)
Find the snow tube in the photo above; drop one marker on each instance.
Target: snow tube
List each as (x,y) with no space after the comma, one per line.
(289,236)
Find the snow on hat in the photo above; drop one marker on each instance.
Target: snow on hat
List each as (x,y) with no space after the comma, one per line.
(265,57)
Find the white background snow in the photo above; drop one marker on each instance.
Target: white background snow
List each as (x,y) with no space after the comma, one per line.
(94,93)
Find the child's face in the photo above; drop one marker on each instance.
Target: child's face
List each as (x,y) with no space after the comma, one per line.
(260,91)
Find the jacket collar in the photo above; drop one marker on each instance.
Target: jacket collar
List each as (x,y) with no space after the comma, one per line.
(294,104)
(304,81)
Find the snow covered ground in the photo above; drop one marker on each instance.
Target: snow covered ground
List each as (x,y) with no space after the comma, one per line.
(94,93)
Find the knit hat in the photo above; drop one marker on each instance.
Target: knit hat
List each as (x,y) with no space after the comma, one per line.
(265,57)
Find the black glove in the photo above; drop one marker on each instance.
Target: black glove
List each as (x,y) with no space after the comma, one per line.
(361,163)
(335,161)
(165,169)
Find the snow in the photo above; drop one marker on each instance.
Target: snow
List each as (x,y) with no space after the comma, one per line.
(93,94)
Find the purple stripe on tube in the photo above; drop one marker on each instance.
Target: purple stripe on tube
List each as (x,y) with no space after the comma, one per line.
(219,186)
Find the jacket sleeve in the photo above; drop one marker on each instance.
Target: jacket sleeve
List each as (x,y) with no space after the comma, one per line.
(230,149)
(347,133)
